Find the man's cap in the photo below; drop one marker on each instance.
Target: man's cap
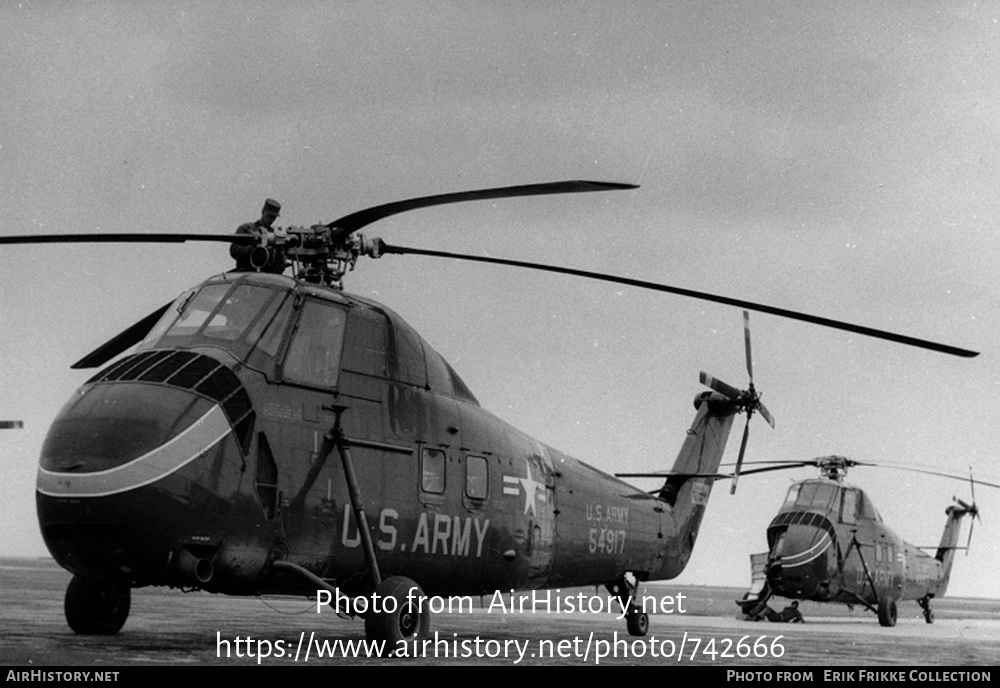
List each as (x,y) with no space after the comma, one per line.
(272,206)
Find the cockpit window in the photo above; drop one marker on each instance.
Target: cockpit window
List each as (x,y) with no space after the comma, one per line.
(793,494)
(197,310)
(849,507)
(231,320)
(313,356)
(232,317)
(816,496)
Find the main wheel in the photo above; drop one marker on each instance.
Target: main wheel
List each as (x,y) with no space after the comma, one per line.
(95,607)
(637,622)
(404,613)
(929,615)
(887,611)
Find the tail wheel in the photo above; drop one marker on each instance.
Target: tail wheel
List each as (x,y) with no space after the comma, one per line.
(403,614)
(95,607)
(637,622)
(887,611)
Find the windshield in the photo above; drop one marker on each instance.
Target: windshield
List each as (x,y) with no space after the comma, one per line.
(234,317)
(816,495)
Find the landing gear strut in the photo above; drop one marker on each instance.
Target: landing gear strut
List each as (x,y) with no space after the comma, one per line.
(626,589)
(95,607)
(404,612)
(925,604)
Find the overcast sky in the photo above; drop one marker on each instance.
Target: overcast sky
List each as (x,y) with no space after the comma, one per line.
(836,158)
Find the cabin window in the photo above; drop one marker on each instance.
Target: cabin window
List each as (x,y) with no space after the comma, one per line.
(477,474)
(313,357)
(432,463)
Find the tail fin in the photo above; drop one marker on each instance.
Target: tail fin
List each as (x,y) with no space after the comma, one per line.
(949,539)
(689,484)
(700,455)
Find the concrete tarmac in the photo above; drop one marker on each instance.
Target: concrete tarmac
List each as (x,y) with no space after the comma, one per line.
(695,626)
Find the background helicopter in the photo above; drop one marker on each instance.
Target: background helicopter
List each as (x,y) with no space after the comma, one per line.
(828,543)
(784,175)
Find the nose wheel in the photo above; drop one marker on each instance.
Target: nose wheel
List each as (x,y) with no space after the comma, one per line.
(95,607)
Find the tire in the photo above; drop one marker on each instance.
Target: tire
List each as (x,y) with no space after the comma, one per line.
(95,607)
(409,618)
(887,611)
(637,622)
(929,615)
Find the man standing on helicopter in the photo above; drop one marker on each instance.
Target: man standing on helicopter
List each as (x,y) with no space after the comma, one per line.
(268,255)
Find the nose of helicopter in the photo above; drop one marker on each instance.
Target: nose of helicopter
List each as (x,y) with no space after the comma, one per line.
(131,473)
(799,560)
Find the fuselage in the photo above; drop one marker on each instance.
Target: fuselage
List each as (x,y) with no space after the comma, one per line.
(207,455)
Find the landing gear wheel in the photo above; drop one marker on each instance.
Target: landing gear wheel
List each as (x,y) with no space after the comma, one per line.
(637,622)
(95,607)
(408,619)
(929,615)
(887,611)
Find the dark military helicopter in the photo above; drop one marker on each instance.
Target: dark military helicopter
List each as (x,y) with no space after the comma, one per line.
(274,434)
(828,543)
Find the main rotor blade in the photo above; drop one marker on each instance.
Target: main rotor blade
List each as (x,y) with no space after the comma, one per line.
(122,341)
(717,476)
(691,293)
(781,464)
(344,226)
(927,472)
(155,238)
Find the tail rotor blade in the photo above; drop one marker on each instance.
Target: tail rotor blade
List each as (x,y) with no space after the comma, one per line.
(719,386)
(764,412)
(746,340)
(739,460)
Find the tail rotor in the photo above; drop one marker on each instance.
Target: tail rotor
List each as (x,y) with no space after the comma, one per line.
(972,510)
(747,400)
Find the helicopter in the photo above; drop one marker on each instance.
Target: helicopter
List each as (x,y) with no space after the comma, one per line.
(828,543)
(274,434)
